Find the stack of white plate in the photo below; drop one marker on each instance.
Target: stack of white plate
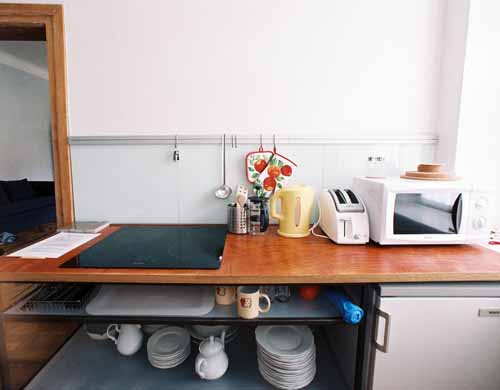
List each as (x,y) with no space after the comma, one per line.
(286,355)
(169,347)
(202,332)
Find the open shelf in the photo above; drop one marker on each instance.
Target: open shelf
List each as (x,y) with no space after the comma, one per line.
(319,311)
(83,363)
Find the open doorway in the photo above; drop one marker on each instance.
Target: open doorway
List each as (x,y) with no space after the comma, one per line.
(37,24)
(35,170)
(27,190)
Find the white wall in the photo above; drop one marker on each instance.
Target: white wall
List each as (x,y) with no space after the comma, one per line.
(478,150)
(25,146)
(450,80)
(291,66)
(324,67)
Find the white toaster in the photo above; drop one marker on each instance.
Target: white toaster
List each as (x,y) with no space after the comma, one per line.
(343,216)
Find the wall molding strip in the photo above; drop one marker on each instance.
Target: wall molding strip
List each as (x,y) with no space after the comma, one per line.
(236,139)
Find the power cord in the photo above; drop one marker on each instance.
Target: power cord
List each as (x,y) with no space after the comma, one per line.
(315,225)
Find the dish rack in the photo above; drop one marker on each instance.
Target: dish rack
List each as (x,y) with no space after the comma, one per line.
(58,297)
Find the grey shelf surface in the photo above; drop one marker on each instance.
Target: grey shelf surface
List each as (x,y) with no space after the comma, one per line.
(83,364)
(319,311)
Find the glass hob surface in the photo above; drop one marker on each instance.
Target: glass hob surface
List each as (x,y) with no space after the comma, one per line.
(170,247)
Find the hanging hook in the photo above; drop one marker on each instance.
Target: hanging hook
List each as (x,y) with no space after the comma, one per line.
(261,148)
(176,151)
(274,143)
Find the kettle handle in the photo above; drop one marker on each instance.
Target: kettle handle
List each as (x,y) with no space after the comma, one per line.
(116,327)
(272,206)
(264,217)
(200,363)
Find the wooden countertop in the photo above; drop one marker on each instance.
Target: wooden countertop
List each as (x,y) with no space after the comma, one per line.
(273,259)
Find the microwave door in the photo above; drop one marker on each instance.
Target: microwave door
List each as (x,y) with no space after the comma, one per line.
(427,213)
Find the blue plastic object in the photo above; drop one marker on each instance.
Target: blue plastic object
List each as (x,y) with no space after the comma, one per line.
(7,238)
(351,313)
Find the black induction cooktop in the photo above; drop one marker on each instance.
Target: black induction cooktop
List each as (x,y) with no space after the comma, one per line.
(172,247)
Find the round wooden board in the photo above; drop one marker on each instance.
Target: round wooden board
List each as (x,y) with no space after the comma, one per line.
(430,167)
(427,178)
(429,175)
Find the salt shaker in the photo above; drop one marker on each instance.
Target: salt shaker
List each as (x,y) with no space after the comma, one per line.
(376,167)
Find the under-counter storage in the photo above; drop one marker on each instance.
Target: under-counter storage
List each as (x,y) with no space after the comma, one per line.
(318,311)
(86,363)
(83,363)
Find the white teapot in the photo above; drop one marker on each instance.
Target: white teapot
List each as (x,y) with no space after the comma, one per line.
(212,361)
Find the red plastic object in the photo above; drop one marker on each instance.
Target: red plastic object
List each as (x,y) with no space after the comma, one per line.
(309,293)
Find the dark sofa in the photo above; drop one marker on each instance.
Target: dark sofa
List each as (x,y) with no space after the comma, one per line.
(26,204)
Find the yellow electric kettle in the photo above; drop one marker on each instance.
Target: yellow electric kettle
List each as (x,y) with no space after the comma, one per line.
(296,206)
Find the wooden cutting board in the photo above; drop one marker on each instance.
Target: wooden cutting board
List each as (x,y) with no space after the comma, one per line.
(431,172)
(433,176)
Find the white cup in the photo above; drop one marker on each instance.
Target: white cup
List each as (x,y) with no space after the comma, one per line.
(225,295)
(248,302)
(129,339)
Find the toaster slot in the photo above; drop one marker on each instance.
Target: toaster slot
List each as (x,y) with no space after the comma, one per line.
(351,196)
(340,196)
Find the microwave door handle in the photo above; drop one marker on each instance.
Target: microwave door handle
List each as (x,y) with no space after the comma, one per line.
(456,213)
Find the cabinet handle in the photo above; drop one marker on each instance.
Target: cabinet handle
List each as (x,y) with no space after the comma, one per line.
(387,318)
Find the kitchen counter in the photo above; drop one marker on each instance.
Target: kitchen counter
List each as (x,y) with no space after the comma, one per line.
(271,259)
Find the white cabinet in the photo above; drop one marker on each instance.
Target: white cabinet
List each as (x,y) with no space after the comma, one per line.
(436,339)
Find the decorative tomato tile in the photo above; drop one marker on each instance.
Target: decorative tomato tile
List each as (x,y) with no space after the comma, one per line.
(256,162)
(274,176)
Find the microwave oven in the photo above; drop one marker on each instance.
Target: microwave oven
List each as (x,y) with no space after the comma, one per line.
(403,211)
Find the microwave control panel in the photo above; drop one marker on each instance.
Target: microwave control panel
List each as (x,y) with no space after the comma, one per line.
(479,215)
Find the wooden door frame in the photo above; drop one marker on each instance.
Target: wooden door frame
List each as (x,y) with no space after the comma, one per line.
(51,17)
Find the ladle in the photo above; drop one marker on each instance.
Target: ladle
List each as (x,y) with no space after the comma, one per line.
(224,191)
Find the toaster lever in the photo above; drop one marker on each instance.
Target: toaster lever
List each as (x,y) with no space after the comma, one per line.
(348,227)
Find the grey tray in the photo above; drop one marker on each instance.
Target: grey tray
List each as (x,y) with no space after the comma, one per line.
(147,300)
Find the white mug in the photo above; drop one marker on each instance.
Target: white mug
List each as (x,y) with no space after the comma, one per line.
(225,295)
(129,339)
(248,302)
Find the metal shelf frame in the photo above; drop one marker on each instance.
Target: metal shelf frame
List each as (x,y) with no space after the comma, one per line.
(289,315)
(296,311)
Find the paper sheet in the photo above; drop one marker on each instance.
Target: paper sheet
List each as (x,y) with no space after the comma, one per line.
(55,246)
